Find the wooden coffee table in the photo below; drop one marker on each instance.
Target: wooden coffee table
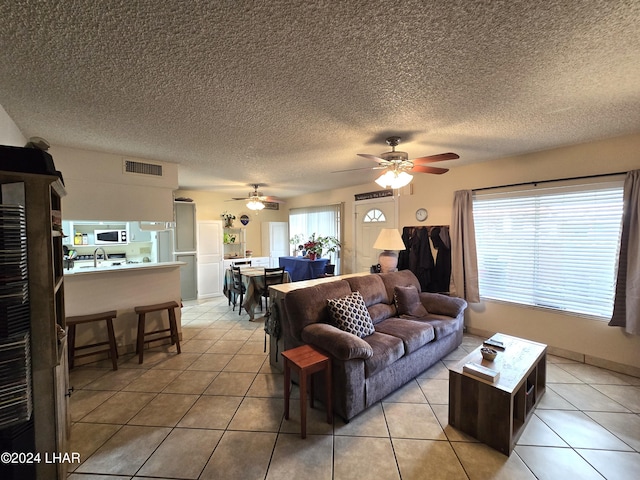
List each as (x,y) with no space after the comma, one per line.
(496,413)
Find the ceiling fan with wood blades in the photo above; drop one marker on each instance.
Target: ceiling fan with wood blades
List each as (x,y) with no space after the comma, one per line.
(398,166)
(255,200)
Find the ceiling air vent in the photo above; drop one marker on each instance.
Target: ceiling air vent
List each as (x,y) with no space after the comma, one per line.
(141,168)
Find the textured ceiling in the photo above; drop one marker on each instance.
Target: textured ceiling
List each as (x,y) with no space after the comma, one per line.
(284,92)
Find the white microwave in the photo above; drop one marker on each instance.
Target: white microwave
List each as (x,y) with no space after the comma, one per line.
(110,237)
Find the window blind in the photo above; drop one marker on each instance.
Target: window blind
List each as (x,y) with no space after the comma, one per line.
(551,247)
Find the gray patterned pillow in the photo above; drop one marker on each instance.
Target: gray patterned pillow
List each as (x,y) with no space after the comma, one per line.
(349,313)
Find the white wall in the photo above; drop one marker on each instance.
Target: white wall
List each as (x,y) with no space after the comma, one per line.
(97,188)
(10,134)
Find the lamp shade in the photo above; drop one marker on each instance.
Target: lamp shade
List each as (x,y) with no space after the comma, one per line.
(394,179)
(254,204)
(389,239)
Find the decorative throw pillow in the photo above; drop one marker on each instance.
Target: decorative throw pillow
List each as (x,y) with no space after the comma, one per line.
(408,301)
(349,313)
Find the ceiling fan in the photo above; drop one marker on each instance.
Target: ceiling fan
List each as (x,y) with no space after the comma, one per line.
(398,165)
(255,200)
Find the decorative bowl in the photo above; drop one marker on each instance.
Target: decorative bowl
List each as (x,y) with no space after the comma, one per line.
(488,353)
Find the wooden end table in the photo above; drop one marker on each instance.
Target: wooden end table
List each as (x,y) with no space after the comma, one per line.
(306,360)
(496,413)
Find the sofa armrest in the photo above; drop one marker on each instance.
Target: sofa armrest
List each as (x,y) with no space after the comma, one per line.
(443,304)
(338,343)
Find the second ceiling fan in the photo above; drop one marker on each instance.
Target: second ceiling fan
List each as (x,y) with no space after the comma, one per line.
(398,166)
(255,200)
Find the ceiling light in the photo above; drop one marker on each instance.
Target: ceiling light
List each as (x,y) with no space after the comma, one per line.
(255,204)
(394,179)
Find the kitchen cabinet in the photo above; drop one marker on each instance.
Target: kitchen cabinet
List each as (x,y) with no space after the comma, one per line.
(210,258)
(186,247)
(185,215)
(47,428)
(275,241)
(137,234)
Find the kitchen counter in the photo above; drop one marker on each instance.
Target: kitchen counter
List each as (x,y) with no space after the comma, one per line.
(121,288)
(90,269)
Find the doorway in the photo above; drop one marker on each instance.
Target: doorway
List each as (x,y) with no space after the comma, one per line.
(371,217)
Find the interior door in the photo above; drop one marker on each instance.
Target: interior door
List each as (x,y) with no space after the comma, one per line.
(278,242)
(210,253)
(371,217)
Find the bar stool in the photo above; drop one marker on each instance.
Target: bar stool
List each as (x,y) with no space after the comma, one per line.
(173,326)
(306,360)
(95,317)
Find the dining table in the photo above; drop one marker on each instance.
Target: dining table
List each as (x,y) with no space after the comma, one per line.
(253,281)
(303,268)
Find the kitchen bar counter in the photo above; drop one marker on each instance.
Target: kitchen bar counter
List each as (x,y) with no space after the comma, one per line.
(121,288)
(85,269)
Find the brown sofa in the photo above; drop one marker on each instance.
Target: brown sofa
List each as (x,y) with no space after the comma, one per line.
(367,369)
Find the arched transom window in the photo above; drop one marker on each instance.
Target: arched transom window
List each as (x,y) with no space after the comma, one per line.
(374,215)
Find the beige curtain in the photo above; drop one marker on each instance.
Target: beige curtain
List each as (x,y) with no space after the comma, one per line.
(464,261)
(626,307)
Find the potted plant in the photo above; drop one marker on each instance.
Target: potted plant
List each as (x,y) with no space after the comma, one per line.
(313,247)
(296,242)
(330,245)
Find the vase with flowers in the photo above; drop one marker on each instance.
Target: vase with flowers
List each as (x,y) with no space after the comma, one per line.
(228,219)
(313,247)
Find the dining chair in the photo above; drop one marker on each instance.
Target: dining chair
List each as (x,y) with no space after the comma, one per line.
(272,276)
(237,288)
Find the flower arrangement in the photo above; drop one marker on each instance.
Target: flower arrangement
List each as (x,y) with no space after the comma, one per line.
(228,218)
(313,245)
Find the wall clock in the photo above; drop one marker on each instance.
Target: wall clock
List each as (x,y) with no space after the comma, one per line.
(421,214)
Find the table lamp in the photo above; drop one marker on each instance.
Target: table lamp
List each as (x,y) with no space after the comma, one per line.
(389,241)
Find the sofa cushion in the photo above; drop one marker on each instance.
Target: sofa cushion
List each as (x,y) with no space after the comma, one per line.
(386,350)
(408,302)
(414,334)
(442,325)
(349,313)
(370,287)
(401,278)
(381,311)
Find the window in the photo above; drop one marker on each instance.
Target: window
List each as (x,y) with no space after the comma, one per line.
(374,215)
(550,247)
(324,221)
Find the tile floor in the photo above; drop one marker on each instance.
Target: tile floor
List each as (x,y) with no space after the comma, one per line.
(215,412)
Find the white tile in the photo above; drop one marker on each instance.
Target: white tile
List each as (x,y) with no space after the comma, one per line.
(421,459)
(482,462)
(580,431)
(553,463)
(410,420)
(614,465)
(585,397)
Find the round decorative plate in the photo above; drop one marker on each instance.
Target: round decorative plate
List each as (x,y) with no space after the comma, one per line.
(244,219)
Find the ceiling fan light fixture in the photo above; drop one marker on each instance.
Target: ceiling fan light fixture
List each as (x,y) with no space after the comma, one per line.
(255,204)
(394,179)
